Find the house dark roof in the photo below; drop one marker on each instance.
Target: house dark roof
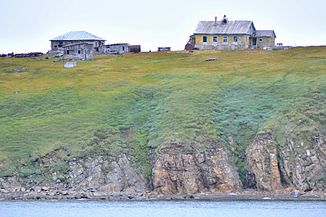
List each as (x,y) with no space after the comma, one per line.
(218,27)
(265,33)
(77,35)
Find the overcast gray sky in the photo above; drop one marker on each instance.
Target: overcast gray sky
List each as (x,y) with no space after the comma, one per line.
(28,25)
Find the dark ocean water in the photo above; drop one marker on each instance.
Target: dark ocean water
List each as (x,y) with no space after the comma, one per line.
(161,209)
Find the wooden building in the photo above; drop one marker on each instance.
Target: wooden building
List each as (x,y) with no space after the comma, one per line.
(265,38)
(229,35)
(119,48)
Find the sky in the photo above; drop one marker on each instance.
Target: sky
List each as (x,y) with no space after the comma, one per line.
(28,25)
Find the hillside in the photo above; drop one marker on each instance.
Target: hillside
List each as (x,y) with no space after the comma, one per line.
(169,123)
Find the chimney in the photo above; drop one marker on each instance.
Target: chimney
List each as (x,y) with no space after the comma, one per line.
(225,19)
(215,19)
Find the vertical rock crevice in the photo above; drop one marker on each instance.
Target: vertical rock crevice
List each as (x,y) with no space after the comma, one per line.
(262,159)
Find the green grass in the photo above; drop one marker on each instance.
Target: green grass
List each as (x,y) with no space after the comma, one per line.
(139,103)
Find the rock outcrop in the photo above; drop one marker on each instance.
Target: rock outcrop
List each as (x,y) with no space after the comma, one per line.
(304,161)
(262,161)
(86,177)
(187,172)
(106,175)
(299,162)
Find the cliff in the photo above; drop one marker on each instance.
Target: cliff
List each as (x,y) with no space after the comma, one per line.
(160,124)
(271,168)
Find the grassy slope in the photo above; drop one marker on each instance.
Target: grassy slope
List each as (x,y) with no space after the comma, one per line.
(128,103)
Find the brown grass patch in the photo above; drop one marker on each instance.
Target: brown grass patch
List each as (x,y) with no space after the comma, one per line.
(103,61)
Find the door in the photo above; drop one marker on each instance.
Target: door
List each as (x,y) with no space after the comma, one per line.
(254,41)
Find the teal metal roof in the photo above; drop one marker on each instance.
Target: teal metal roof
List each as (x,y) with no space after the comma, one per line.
(77,35)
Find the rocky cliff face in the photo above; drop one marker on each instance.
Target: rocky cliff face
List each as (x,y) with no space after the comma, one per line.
(187,172)
(304,161)
(85,177)
(297,163)
(105,175)
(175,171)
(263,163)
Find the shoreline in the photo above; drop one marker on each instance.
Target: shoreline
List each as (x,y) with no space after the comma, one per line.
(238,196)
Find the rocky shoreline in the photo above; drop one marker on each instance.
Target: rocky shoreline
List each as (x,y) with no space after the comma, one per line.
(178,172)
(48,194)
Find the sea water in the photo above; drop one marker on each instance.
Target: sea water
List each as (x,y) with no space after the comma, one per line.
(162,208)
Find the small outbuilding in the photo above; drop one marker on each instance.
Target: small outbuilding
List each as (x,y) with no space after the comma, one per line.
(119,48)
(265,38)
(162,49)
(134,48)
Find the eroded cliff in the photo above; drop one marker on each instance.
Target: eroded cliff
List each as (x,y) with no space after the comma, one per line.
(188,172)
(298,163)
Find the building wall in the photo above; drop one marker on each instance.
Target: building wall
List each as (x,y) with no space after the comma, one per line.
(265,42)
(79,51)
(243,42)
(97,45)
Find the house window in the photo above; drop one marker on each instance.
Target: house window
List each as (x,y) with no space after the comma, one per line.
(235,39)
(215,39)
(79,52)
(123,48)
(204,38)
(68,52)
(225,39)
(260,39)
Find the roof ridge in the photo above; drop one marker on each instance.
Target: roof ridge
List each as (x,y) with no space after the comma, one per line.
(77,35)
(218,27)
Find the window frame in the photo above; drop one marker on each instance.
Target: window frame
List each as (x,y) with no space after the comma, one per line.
(235,39)
(205,38)
(225,39)
(215,39)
